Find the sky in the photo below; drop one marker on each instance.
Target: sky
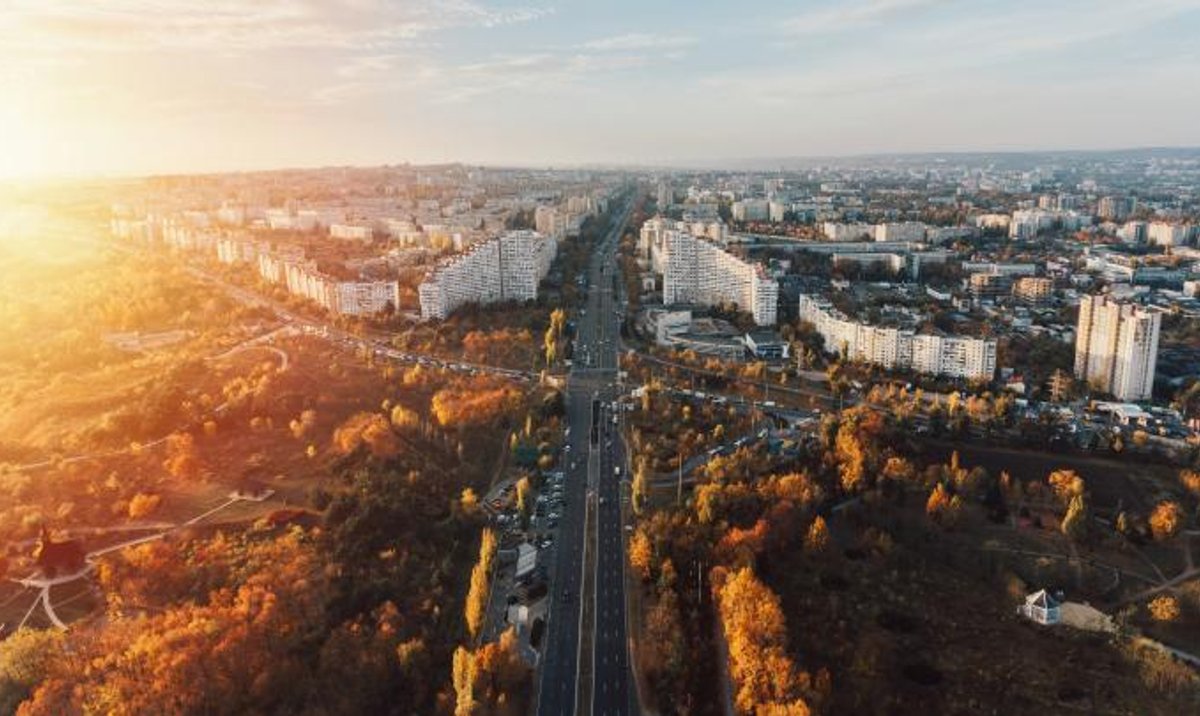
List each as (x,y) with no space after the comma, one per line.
(125,87)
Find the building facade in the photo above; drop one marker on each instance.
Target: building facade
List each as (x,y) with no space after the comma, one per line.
(505,268)
(697,271)
(1116,347)
(897,348)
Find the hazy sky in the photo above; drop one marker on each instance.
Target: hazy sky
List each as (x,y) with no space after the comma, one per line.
(134,86)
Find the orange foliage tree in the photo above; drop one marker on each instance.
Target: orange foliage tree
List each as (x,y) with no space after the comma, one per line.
(764,676)
(482,402)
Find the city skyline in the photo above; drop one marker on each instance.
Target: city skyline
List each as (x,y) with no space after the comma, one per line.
(141,87)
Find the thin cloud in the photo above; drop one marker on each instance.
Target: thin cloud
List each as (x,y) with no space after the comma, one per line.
(641,41)
(851,16)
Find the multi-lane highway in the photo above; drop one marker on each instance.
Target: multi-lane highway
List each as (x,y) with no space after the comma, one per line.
(592,482)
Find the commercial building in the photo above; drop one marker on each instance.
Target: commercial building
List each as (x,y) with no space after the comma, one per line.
(697,271)
(505,268)
(900,348)
(1116,347)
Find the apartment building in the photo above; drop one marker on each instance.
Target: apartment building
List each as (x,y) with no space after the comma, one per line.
(346,298)
(697,271)
(351,232)
(653,233)
(898,348)
(508,267)
(1034,290)
(900,231)
(1116,347)
(1161,233)
(835,231)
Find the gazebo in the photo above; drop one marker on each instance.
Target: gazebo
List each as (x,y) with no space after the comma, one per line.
(1041,607)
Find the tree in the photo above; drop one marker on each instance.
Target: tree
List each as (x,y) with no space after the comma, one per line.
(640,486)
(469,500)
(942,507)
(817,539)
(1164,608)
(464,682)
(851,458)
(641,554)
(1066,484)
(26,657)
(142,505)
(1074,523)
(183,460)
(524,506)
(1166,520)
(370,429)
(765,678)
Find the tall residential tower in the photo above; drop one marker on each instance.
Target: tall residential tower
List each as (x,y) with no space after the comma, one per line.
(1116,346)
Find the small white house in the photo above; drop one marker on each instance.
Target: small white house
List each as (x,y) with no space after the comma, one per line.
(1041,607)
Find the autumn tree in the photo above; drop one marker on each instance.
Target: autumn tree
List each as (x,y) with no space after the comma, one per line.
(817,539)
(641,554)
(1164,608)
(851,458)
(481,402)
(183,459)
(1066,484)
(1074,523)
(464,682)
(475,610)
(640,486)
(142,505)
(26,657)
(1166,520)
(369,429)
(524,495)
(765,678)
(942,507)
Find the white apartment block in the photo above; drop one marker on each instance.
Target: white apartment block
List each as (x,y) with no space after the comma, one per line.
(347,298)
(835,231)
(993,221)
(750,210)
(1116,347)
(896,348)
(508,267)
(900,231)
(352,232)
(366,298)
(697,271)
(654,231)
(1161,233)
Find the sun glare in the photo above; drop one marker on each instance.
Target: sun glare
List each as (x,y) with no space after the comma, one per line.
(22,144)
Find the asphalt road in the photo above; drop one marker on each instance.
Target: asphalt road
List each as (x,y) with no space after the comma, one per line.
(590,475)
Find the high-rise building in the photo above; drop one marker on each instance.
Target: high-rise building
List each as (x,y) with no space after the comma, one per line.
(1115,208)
(697,271)
(506,268)
(1116,347)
